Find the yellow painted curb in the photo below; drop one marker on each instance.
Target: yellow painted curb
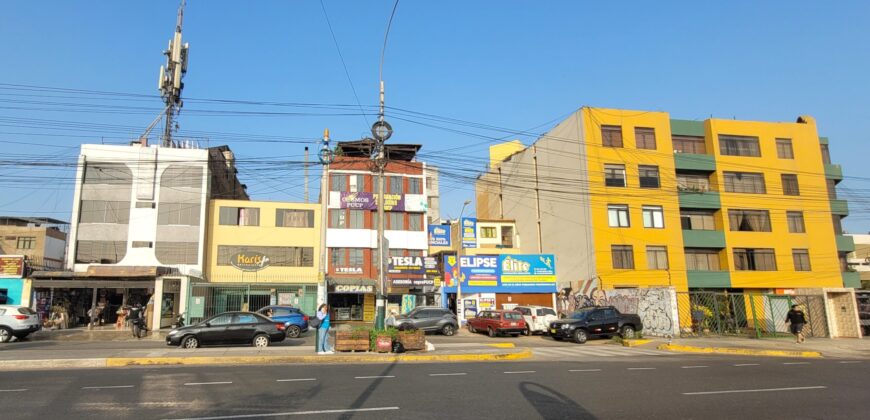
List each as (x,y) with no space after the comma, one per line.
(502,345)
(361,358)
(635,342)
(743,352)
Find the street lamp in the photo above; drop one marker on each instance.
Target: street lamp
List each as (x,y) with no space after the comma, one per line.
(460,315)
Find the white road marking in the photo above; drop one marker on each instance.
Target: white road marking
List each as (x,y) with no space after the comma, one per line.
(735,391)
(747,364)
(447,374)
(520,371)
(13,390)
(293,413)
(584,370)
(641,368)
(107,387)
(206,383)
(296,380)
(850,361)
(796,363)
(372,377)
(694,367)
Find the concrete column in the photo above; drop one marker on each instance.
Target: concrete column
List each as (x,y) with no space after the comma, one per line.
(158,304)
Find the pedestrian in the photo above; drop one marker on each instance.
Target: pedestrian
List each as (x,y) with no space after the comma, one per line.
(391,320)
(323,330)
(797,320)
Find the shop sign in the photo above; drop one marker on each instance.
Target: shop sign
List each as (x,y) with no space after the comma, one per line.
(354,288)
(250,261)
(369,201)
(533,273)
(11,266)
(469,307)
(348,270)
(430,266)
(439,235)
(411,282)
(406,265)
(469,232)
(285,299)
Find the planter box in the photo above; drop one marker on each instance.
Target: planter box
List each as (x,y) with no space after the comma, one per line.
(351,341)
(413,341)
(383,344)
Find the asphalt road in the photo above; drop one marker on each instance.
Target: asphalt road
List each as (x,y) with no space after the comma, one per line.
(631,387)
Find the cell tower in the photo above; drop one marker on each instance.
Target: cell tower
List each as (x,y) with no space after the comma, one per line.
(170,84)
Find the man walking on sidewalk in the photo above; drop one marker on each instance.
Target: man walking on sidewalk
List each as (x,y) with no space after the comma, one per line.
(797,320)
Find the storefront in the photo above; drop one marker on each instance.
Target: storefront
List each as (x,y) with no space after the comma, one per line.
(12,280)
(351,300)
(410,283)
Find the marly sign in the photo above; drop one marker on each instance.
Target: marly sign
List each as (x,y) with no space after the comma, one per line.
(250,261)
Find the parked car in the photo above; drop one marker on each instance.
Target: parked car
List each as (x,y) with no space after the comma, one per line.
(498,322)
(229,328)
(17,321)
(600,321)
(295,321)
(538,318)
(428,319)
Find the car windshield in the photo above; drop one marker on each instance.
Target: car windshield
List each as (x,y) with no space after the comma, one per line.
(581,314)
(512,315)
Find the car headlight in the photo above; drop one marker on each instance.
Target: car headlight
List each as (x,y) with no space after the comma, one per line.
(566,326)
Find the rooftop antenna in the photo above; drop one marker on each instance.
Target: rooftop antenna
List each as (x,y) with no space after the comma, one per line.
(170,84)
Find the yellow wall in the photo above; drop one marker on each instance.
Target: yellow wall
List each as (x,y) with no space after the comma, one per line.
(501,151)
(266,234)
(600,196)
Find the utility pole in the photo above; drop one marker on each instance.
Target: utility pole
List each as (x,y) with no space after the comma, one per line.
(305,171)
(382,131)
(460,310)
(326,157)
(170,84)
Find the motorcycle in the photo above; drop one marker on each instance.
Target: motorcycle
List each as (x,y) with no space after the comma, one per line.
(179,321)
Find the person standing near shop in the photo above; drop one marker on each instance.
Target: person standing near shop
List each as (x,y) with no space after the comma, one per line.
(323,330)
(797,320)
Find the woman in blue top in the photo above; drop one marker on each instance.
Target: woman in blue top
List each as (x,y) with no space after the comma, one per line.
(323,316)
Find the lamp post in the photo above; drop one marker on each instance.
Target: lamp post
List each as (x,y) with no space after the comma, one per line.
(460,315)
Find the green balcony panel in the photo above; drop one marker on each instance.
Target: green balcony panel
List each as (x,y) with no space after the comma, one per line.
(698,279)
(704,238)
(831,171)
(840,207)
(693,162)
(845,243)
(850,279)
(687,128)
(700,200)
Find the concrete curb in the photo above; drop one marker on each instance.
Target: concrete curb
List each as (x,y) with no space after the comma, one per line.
(6,365)
(635,342)
(742,352)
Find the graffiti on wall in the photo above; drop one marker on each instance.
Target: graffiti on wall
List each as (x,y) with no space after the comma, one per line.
(656,307)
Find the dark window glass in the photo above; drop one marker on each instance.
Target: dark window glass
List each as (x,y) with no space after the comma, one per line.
(649,176)
(623,257)
(749,220)
(645,138)
(689,144)
(801,259)
(790,185)
(611,135)
(738,145)
(614,175)
(754,259)
(745,182)
(784,149)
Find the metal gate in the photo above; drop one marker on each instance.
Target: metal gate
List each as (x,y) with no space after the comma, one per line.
(747,314)
(209,299)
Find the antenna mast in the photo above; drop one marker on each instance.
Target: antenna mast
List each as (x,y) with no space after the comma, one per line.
(170,84)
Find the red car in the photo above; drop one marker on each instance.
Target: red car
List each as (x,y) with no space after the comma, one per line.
(498,322)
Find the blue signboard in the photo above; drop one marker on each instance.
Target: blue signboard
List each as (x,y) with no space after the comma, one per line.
(468,232)
(439,235)
(534,273)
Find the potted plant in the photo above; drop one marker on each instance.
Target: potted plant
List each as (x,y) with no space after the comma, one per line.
(381,341)
(356,339)
(412,339)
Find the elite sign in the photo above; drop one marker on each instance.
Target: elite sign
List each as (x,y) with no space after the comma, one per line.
(501,273)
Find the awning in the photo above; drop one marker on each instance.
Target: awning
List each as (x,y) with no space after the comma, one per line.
(92,283)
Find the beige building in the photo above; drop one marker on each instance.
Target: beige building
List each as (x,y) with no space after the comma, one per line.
(42,240)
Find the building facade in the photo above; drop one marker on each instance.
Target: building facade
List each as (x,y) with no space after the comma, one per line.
(42,240)
(628,199)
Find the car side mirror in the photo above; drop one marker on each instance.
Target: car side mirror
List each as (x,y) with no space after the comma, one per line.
(208,324)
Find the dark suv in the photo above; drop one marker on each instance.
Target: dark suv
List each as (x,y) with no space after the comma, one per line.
(428,319)
(600,321)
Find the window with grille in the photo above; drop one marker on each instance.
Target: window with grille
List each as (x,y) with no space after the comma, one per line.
(294,218)
(611,135)
(689,144)
(795,221)
(730,145)
(790,185)
(614,175)
(182,214)
(100,211)
(279,256)
(645,138)
(617,215)
(653,217)
(649,176)
(745,182)
(177,252)
(657,257)
(697,220)
(784,149)
(623,257)
(801,259)
(749,220)
(754,259)
(100,252)
(701,259)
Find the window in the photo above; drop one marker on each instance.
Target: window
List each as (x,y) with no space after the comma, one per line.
(697,220)
(338,183)
(356,219)
(279,256)
(247,319)
(395,220)
(395,185)
(143,244)
(832,189)
(611,135)
(749,220)
(182,176)
(183,214)
(653,217)
(108,174)
(177,252)
(507,236)
(415,186)
(294,218)
(657,257)
(838,224)
(790,185)
(745,182)
(623,257)
(649,176)
(693,182)
(355,257)
(826,154)
(357,183)
(225,319)
(337,218)
(754,259)
(784,149)
(337,257)
(738,145)
(617,215)
(239,216)
(795,221)
(26,242)
(614,175)
(99,211)
(487,232)
(415,222)
(645,138)
(801,259)
(689,144)
(701,259)
(100,252)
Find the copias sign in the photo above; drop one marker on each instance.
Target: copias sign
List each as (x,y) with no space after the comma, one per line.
(250,261)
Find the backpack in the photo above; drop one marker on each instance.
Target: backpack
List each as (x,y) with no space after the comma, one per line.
(398,347)
(314,322)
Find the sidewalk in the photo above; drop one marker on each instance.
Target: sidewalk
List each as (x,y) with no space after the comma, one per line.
(841,348)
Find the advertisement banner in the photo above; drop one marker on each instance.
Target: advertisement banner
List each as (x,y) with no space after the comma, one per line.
(406,265)
(469,307)
(11,266)
(411,282)
(469,232)
(533,273)
(439,235)
(528,270)
(369,201)
(409,302)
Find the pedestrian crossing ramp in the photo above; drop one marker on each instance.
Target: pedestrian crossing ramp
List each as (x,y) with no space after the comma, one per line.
(590,352)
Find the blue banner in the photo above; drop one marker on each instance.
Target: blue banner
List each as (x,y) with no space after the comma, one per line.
(439,235)
(469,232)
(531,273)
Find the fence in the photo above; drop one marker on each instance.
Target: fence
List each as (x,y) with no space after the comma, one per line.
(209,299)
(745,314)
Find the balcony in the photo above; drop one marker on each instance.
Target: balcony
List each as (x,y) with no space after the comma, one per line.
(852,279)
(704,238)
(694,162)
(699,199)
(845,243)
(832,171)
(698,279)
(840,207)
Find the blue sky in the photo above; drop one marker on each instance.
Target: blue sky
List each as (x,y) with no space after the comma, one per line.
(515,66)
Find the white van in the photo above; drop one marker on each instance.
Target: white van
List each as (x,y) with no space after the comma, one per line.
(537,318)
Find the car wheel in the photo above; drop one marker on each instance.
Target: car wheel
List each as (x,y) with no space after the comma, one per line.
(557,338)
(580,336)
(448,330)
(471,329)
(515,335)
(261,341)
(627,332)
(528,331)
(189,342)
(490,331)
(5,334)
(293,331)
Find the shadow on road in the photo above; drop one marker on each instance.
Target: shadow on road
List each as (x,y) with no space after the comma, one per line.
(552,404)
(364,396)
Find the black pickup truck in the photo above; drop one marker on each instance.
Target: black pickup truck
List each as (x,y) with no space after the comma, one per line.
(599,321)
